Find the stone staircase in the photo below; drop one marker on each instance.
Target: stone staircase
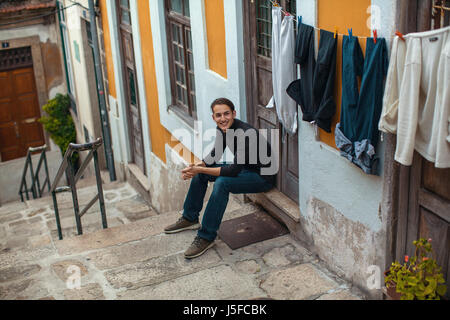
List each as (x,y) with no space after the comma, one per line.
(133,259)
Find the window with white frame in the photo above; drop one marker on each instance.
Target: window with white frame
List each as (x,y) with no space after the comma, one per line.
(181,62)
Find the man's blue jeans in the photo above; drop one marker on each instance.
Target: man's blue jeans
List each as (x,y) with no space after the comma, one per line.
(245,182)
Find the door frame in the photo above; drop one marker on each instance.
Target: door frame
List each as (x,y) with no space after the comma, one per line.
(38,68)
(125,86)
(251,100)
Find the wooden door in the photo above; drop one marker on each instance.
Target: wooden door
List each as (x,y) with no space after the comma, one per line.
(19,112)
(130,83)
(258,29)
(424,191)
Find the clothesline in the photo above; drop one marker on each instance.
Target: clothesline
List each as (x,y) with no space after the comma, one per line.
(275,4)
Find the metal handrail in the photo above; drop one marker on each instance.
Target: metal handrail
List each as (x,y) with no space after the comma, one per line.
(35,189)
(73,179)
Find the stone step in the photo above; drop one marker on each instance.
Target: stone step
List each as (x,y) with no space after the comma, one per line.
(116,235)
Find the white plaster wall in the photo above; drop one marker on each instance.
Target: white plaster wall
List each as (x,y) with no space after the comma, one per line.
(209,85)
(324,174)
(74,15)
(45,33)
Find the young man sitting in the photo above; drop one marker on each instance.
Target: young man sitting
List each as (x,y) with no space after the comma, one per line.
(246,174)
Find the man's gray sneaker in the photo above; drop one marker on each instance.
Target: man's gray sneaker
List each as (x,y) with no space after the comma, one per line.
(181,225)
(198,247)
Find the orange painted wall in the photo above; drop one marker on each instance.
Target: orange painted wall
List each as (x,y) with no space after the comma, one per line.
(158,134)
(344,14)
(108,53)
(215,30)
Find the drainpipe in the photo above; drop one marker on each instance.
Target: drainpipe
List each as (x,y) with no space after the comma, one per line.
(101,93)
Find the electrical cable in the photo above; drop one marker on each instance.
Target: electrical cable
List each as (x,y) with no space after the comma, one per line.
(40,16)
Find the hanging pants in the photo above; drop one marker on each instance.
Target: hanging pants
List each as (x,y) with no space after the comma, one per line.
(283,69)
(357,134)
(317,103)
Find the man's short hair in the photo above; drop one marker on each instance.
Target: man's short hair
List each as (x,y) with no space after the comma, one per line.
(224,101)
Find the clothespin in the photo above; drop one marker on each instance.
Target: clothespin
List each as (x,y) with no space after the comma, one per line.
(299,20)
(375,36)
(399,34)
(335,31)
(350,33)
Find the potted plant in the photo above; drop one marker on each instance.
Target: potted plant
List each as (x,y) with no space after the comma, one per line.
(419,277)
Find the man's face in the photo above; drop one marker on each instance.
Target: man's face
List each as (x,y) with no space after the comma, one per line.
(223,116)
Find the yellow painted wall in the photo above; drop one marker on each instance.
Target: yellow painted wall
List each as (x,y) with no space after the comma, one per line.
(108,54)
(158,134)
(215,30)
(344,14)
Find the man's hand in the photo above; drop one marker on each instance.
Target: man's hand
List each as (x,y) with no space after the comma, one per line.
(191,171)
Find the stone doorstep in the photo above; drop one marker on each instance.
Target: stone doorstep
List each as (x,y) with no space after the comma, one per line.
(281,201)
(140,176)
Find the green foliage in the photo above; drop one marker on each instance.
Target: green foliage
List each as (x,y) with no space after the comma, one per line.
(59,123)
(419,277)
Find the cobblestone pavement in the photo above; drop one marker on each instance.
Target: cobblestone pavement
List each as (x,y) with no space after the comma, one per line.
(133,259)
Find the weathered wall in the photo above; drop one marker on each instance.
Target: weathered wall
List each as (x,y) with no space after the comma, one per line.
(167,189)
(341,205)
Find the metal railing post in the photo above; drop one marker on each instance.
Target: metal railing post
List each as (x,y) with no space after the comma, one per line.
(46,171)
(100,190)
(73,188)
(33,186)
(58,222)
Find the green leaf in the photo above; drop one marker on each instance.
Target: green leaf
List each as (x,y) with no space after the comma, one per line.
(441,290)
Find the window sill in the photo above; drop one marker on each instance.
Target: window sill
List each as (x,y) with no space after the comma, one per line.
(187,119)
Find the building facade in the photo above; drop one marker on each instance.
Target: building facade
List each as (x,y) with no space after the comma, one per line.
(166,61)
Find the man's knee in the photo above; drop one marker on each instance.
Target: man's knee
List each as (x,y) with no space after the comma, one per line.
(201,177)
(221,185)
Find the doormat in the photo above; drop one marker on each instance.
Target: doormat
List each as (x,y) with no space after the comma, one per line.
(251,228)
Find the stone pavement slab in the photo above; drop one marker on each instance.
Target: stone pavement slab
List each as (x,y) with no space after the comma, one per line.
(158,270)
(152,247)
(220,282)
(297,283)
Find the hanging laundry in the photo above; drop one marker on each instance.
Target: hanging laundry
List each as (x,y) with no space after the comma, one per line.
(315,88)
(389,116)
(417,105)
(357,133)
(352,67)
(283,69)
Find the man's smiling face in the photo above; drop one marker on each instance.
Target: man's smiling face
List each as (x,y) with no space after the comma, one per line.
(223,116)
